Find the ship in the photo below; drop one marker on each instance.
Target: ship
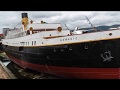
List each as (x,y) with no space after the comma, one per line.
(1,48)
(55,49)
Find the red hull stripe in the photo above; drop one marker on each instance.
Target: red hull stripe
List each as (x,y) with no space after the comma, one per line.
(71,72)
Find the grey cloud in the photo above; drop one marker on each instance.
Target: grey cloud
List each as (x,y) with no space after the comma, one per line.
(43,14)
(106,17)
(71,19)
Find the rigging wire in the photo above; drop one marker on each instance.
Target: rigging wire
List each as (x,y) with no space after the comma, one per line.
(94,28)
(21,22)
(18,24)
(67,27)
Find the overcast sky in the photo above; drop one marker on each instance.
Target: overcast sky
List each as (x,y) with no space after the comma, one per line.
(9,19)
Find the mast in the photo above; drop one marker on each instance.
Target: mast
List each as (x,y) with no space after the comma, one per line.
(25,20)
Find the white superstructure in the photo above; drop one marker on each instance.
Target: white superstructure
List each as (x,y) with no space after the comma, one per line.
(44,34)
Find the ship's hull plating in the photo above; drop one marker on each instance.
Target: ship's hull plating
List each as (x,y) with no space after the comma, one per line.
(94,60)
(1,48)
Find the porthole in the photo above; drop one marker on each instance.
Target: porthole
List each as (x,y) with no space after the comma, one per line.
(110,34)
(54,50)
(62,50)
(70,48)
(86,47)
(47,57)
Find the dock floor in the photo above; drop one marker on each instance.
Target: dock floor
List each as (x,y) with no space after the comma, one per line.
(5,73)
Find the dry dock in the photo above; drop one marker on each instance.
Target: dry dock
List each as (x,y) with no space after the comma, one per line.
(5,73)
(13,71)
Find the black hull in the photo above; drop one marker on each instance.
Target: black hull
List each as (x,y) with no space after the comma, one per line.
(98,54)
(1,48)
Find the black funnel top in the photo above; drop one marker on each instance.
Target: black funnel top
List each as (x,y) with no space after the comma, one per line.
(24,15)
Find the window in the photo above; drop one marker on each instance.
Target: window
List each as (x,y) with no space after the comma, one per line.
(34,42)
